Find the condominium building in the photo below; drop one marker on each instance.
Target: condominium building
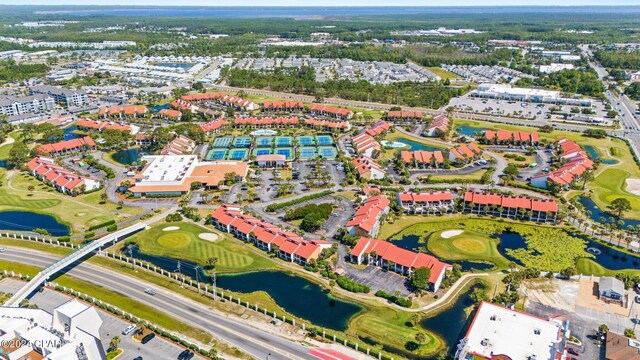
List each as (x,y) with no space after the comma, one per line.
(427,202)
(513,207)
(62,96)
(366,220)
(33,104)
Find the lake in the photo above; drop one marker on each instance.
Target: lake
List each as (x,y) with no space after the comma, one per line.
(467,130)
(28,221)
(414,145)
(597,213)
(156,109)
(69,133)
(296,295)
(594,155)
(128,156)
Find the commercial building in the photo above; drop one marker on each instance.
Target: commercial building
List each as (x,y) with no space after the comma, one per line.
(497,332)
(172,175)
(427,202)
(506,92)
(71,332)
(34,104)
(64,180)
(504,137)
(367,168)
(288,245)
(366,220)
(271,160)
(67,146)
(555,67)
(386,255)
(620,347)
(422,159)
(62,96)
(512,207)
(61,75)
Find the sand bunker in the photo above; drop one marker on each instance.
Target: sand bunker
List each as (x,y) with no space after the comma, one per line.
(633,186)
(170,228)
(451,233)
(208,236)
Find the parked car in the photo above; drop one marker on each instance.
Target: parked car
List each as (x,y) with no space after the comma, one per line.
(137,358)
(573,351)
(128,330)
(183,354)
(638,299)
(147,338)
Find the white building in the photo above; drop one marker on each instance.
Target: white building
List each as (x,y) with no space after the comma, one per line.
(71,332)
(62,96)
(499,331)
(506,92)
(555,67)
(34,104)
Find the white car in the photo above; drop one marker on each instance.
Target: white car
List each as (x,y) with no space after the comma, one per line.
(2,250)
(128,330)
(150,291)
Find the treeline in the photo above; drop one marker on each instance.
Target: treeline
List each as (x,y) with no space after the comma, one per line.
(618,59)
(302,81)
(633,91)
(313,216)
(575,81)
(277,206)
(10,71)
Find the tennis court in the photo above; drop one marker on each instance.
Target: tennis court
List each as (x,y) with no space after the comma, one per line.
(306,153)
(327,152)
(284,141)
(242,142)
(237,154)
(288,152)
(216,154)
(324,140)
(222,142)
(258,152)
(305,140)
(264,141)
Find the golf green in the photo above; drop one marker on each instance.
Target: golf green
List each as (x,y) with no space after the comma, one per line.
(174,240)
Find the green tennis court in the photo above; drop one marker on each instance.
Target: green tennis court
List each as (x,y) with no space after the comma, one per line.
(286,151)
(305,140)
(264,141)
(324,140)
(216,154)
(284,141)
(222,142)
(237,154)
(244,141)
(327,152)
(306,153)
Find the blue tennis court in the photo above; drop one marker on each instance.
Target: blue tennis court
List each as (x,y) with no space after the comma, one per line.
(288,152)
(284,141)
(258,152)
(324,140)
(306,153)
(222,142)
(216,154)
(237,154)
(327,152)
(305,140)
(264,141)
(242,142)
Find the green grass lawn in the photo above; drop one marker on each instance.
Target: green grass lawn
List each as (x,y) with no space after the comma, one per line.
(79,212)
(590,267)
(4,149)
(444,74)
(469,245)
(185,244)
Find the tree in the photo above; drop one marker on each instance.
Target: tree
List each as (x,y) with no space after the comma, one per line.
(630,333)
(212,261)
(420,277)
(113,344)
(603,328)
(619,206)
(415,319)
(104,197)
(421,338)
(568,272)
(31,188)
(512,171)
(19,154)
(213,353)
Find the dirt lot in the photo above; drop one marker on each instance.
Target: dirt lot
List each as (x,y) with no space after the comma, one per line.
(559,294)
(588,298)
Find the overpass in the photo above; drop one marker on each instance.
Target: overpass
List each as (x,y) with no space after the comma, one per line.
(60,264)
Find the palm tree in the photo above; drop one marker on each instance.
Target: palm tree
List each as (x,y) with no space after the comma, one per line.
(113,344)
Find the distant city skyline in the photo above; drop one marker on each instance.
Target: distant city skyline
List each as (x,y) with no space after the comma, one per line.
(341,3)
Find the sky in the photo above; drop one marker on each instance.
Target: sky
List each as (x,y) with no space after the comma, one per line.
(327,2)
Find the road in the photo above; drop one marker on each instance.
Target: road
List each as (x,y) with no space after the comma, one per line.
(255,342)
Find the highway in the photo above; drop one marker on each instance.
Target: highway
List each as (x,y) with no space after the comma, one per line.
(250,340)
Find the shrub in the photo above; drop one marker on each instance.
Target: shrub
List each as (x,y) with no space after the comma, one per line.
(282,205)
(351,285)
(98,226)
(64,239)
(89,235)
(404,302)
(112,228)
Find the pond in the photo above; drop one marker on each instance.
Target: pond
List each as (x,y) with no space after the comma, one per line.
(128,156)
(28,221)
(185,66)
(596,213)
(69,133)
(467,130)
(412,242)
(609,257)
(155,109)
(3,163)
(594,155)
(295,295)
(414,145)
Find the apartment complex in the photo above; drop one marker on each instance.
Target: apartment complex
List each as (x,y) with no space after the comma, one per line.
(378,128)
(576,163)
(365,144)
(33,104)
(422,159)
(67,146)
(504,137)
(265,122)
(180,145)
(99,126)
(439,123)
(326,110)
(386,255)
(404,115)
(367,168)
(64,180)
(288,245)
(366,220)
(463,154)
(508,206)
(427,202)
(328,125)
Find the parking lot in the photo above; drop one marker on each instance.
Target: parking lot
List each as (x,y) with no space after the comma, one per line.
(378,279)
(157,348)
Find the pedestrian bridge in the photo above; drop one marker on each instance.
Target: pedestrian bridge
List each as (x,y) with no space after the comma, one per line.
(60,264)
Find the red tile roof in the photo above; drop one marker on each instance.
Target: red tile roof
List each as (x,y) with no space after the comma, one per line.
(405,115)
(369,213)
(72,144)
(425,197)
(326,109)
(327,123)
(100,125)
(512,202)
(212,125)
